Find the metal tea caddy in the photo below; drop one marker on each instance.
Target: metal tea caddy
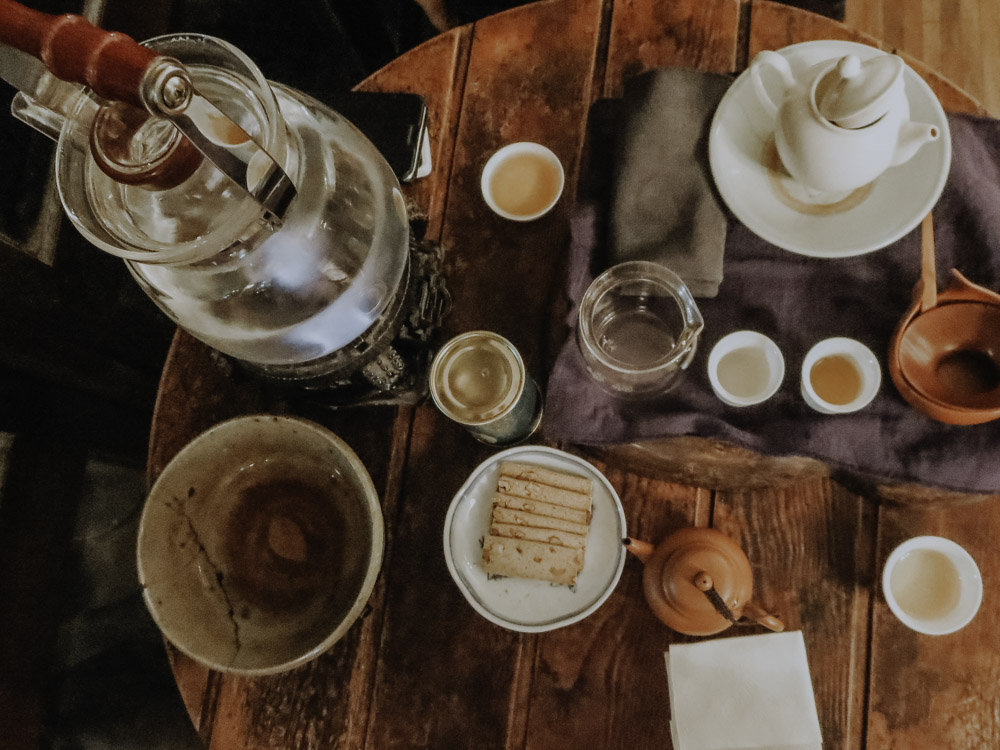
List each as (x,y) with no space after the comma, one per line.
(259,220)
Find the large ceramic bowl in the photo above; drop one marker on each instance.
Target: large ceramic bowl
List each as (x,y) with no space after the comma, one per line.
(259,544)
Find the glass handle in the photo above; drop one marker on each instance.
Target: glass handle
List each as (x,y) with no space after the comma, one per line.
(42,119)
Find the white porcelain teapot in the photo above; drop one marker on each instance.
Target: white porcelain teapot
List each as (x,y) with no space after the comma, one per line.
(843,121)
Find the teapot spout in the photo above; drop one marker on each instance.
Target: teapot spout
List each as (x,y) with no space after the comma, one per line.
(913,135)
(758,615)
(642,550)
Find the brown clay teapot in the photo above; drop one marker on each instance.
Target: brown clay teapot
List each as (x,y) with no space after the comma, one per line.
(699,582)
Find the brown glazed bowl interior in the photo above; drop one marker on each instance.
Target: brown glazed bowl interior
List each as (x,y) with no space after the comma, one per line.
(951,354)
(259,544)
(945,361)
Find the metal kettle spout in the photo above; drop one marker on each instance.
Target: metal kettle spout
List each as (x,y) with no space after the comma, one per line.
(912,135)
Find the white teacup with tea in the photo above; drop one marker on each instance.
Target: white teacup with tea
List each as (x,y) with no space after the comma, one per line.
(839,376)
(522,181)
(932,585)
(745,368)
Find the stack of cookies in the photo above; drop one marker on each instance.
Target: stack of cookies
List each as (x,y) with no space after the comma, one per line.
(539,524)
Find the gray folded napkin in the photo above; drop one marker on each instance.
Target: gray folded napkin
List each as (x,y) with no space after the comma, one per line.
(663,202)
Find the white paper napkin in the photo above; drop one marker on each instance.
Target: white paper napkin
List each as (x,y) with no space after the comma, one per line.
(747,693)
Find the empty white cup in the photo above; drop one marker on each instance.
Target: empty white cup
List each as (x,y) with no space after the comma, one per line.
(745,368)
(932,585)
(522,181)
(840,375)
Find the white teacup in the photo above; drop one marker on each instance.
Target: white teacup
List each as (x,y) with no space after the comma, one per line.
(932,585)
(840,375)
(745,368)
(522,181)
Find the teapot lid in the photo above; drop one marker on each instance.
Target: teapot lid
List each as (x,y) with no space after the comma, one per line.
(854,94)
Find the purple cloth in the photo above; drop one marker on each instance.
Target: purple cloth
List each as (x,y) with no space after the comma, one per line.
(798,301)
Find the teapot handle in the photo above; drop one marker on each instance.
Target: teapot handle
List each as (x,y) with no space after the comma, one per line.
(780,64)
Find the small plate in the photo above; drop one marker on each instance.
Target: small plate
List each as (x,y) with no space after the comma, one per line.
(741,145)
(523,604)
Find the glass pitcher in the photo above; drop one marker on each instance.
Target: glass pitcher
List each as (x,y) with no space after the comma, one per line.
(288,297)
(638,329)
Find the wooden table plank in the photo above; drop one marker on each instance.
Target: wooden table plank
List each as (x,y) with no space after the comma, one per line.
(692,33)
(524,82)
(773,26)
(622,644)
(444,672)
(435,70)
(810,545)
(930,692)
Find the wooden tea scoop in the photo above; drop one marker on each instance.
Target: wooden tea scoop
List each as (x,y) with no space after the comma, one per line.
(928,267)
(119,69)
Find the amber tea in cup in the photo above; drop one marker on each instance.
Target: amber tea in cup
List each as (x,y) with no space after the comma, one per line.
(840,375)
(836,379)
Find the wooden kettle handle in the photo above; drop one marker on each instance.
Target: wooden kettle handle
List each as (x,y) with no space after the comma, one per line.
(75,50)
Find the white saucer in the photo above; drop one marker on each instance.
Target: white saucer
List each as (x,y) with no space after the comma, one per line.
(899,199)
(523,604)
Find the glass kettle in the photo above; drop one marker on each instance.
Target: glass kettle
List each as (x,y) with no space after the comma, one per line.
(279,238)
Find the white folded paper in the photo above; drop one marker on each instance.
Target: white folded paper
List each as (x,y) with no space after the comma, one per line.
(746,693)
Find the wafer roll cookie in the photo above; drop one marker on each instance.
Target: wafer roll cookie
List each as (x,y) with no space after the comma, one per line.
(544,475)
(551,536)
(524,518)
(537,491)
(541,508)
(528,559)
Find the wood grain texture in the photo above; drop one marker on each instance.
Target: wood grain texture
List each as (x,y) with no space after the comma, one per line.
(810,546)
(435,70)
(692,33)
(773,26)
(622,644)
(938,691)
(524,82)
(956,39)
(444,672)
(467,680)
(199,388)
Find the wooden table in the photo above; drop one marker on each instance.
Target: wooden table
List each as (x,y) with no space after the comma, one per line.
(422,669)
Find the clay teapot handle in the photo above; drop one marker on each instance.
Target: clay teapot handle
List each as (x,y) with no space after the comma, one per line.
(960,289)
(75,50)
(755,613)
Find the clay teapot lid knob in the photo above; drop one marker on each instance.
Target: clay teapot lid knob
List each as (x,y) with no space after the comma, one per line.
(704,581)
